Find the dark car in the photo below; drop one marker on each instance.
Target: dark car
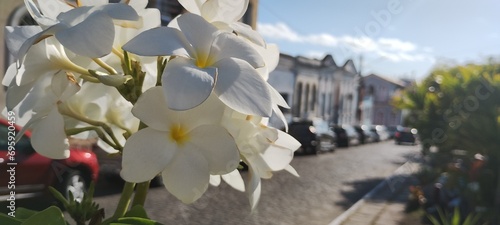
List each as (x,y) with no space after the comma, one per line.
(346,135)
(314,137)
(365,136)
(343,138)
(392,131)
(30,174)
(352,134)
(405,135)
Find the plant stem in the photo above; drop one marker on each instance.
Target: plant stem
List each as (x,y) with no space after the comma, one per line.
(140,193)
(123,204)
(105,66)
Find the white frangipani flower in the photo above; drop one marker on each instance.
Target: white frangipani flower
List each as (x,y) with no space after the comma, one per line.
(48,135)
(185,147)
(111,109)
(224,14)
(233,178)
(264,149)
(85,30)
(44,60)
(205,60)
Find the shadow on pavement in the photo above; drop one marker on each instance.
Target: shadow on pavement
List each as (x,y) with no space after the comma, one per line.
(357,189)
(389,190)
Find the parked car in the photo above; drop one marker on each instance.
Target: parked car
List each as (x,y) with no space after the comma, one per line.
(370,136)
(392,131)
(352,134)
(342,137)
(314,137)
(365,136)
(405,135)
(326,137)
(33,173)
(346,135)
(381,131)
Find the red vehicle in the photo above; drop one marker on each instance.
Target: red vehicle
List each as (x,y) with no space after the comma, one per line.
(26,173)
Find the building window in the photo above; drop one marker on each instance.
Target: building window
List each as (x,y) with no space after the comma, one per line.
(306,99)
(298,102)
(313,100)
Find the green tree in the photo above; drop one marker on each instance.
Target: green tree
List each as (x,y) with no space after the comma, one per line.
(459,108)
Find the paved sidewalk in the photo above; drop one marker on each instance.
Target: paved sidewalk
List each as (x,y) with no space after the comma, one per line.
(385,204)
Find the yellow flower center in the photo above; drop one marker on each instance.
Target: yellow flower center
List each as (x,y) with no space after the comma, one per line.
(179,134)
(203,61)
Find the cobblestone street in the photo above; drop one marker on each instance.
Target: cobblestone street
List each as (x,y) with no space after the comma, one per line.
(329,184)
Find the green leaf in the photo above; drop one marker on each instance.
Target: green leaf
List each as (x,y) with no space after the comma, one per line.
(433,220)
(137,211)
(135,221)
(59,196)
(49,216)
(23,213)
(6,219)
(456,217)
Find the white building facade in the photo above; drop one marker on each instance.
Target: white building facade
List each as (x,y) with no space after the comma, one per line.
(317,89)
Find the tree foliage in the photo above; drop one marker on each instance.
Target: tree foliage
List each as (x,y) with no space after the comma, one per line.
(458,108)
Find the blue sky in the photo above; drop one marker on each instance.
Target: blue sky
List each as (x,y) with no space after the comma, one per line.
(397,38)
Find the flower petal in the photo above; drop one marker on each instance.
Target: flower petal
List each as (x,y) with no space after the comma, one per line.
(215,180)
(287,141)
(228,11)
(37,15)
(64,87)
(137,4)
(277,158)
(52,8)
(152,43)
(92,38)
(151,109)
(192,6)
(186,86)
(49,138)
(146,154)
(217,146)
(253,188)
(246,31)
(37,38)
(292,171)
(277,98)
(240,87)
(93,2)
(281,116)
(227,45)
(198,32)
(16,36)
(114,11)
(234,180)
(187,176)
(10,74)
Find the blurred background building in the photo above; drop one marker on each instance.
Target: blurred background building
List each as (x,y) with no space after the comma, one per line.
(314,88)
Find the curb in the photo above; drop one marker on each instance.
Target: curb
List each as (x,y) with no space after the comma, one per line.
(345,215)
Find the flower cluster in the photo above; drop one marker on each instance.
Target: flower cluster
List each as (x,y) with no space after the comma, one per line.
(188,101)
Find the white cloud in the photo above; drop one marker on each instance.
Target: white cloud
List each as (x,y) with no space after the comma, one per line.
(392,49)
(397,45)
(322,39)
(279,31)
